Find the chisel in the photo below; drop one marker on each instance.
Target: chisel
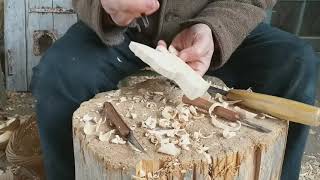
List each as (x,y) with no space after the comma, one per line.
(275,106)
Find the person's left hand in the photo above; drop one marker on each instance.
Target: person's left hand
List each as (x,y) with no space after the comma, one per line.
(193,45)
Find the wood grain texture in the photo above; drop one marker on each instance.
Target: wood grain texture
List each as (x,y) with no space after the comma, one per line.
(36,22)
(15,45)
(172,67)
(249,156)
(278,107)
(62,22)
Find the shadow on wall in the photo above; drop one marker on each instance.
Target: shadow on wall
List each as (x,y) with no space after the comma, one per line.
(2,89)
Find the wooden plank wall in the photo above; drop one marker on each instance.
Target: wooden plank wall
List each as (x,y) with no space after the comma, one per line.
(21,25)
(15,45)
(62,22)
(36,21)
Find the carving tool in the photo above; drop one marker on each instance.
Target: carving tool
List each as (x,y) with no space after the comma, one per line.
(123,129)
(224,113)
(275,106)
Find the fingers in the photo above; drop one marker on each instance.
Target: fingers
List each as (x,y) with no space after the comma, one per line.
(162,46)
(123,12)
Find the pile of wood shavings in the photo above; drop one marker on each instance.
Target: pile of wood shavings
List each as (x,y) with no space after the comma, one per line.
(167,132)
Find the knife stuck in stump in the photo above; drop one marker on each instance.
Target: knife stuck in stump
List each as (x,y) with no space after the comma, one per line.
(110,113)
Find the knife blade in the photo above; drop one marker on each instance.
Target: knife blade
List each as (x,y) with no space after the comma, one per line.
(123,129)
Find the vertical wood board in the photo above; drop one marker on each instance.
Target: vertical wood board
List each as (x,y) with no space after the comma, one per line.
(15,45)
(36,21)
(62,22)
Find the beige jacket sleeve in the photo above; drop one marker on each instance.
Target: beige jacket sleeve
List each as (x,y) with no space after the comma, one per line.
(231,21)
(92,14)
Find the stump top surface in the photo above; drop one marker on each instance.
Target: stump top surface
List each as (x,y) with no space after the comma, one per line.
(128,100)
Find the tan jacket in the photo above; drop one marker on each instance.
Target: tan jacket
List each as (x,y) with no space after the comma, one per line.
(230,21)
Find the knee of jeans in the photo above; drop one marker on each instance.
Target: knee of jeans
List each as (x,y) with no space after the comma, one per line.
(302,70)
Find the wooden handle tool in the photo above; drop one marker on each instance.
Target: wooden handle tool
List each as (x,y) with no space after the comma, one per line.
(116,120)
(224,113)
(275,106)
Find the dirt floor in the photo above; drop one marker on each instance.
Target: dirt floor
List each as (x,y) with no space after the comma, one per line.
(23,104)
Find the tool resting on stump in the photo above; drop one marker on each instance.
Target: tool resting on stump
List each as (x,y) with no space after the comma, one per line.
(192,84)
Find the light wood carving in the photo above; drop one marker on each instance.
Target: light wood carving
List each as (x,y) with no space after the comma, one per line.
(173,68)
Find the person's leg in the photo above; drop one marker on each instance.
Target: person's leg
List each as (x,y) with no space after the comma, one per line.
(73,70)
(274,62)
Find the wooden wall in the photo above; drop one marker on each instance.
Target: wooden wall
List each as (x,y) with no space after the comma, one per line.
(26,22)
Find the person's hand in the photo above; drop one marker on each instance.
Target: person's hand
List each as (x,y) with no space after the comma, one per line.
(193,45)
(123,12)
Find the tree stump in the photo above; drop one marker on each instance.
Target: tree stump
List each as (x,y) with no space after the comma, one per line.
(248,155)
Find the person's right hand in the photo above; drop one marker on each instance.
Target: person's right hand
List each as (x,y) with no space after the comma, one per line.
(123,12)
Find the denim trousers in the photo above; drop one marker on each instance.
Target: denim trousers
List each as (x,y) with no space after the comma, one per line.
(79,65)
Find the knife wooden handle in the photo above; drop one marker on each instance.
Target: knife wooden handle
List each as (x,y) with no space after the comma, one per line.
(278,107)
(115,119)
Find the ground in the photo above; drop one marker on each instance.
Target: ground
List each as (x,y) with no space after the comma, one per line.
(23,104)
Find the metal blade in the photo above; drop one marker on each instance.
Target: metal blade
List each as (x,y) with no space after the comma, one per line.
(135,142)
(213,91)
(256,127)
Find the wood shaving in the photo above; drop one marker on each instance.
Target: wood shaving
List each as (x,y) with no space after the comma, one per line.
(223,126)
(165,123)
(218,97)
(134,116)
(100,122)
(176,125)
(151,105)
(105,137)
(87,118)
(184,141)
(89,128)
(123,99)
(118,140)
(137,99)
(150,123)
(169,149)
(158,93)
(213,106)
(4,137)
(133,127)
(228,134)
(169,113)
(199,135)
(193,111)
(200,116)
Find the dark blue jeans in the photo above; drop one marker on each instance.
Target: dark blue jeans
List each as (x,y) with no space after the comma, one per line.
(79,65)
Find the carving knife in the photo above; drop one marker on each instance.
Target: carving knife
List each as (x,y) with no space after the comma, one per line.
(123,129)
(275,106)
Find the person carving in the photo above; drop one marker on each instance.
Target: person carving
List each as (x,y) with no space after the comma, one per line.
(222,38)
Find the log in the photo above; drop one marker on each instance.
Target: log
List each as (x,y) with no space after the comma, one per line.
(250,155)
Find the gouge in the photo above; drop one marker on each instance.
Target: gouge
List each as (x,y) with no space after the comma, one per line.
(275,106)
